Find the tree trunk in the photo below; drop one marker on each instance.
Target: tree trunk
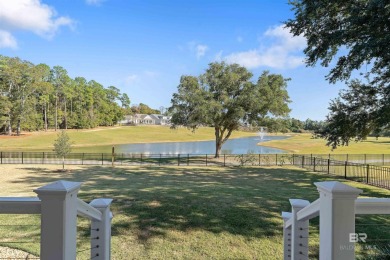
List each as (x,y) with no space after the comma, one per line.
(9,127)
(65,117)
(45,113)
(218,147)
(56,122)
(218,142)
(18,128)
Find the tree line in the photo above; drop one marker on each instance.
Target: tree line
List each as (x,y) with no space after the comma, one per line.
(37,97)
(286,125)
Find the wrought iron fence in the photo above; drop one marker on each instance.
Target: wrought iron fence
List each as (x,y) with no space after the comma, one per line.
(358,167)
(18,157)
(371,174)
(144,159)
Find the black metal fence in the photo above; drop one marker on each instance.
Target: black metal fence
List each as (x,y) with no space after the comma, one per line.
(368,173)
(143,159)
(250,159)
(358,167)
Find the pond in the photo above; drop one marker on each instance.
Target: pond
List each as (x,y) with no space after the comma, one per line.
(233,146)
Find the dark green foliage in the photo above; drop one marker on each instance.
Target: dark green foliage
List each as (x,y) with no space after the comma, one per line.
(355,114)
(35,97)
(361,28)
(356,34)
(143,109)
(225,98)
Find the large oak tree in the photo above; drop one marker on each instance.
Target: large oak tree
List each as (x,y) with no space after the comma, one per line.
(224,97)
(355,34)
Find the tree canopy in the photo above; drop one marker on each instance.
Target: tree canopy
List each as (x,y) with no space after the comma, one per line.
(37,97)
(224,97)
(355,34)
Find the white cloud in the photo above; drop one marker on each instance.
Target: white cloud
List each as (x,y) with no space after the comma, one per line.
(285,51)
(7,40)
(94,2)
(201,50)
(131,79)
(31,15)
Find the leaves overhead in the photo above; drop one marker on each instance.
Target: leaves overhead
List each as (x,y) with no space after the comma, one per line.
(349,36)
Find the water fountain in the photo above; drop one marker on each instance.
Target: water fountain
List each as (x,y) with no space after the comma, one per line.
(262,133)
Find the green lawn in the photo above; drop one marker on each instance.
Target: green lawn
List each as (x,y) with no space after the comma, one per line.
(181,212)
(102,139)
(306,144)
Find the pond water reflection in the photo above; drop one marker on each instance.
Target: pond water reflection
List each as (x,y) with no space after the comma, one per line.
(233,146)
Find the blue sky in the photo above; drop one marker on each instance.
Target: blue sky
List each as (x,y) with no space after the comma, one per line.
(143,47)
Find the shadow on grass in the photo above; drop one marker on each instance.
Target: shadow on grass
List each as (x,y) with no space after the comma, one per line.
(150,201)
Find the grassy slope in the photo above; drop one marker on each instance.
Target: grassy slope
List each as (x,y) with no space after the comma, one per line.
(110,136)
(305,144)
(181,212)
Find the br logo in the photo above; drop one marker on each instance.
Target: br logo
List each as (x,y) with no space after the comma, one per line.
(357,237)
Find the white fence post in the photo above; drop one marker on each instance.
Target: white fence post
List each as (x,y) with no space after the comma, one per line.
(101,231)
(337,220)
(299,231)
(58,220)
(286,236)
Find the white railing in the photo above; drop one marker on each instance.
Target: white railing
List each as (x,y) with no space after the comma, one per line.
(58,205)
(337,206)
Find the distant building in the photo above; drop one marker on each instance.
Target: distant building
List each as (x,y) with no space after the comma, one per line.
(144,119)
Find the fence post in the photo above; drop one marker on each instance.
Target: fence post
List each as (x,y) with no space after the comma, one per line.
(141,159)
(82,159)
(276,159)
(159,160)
(206,159)
(383,159)
(259,159)
(113,156)
(58,220)
(22,157)
(286,236)
(368,172)
(43,157)
(188,159)
(328,166)
(345,169)
(337,220)
(178,159)
(299,231)
(101,231)
(224,160)
(293,159)
(102,158)
(314,167)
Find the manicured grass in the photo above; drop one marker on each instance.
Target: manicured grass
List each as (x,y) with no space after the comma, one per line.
(306,144)
(182,212)
(102,139)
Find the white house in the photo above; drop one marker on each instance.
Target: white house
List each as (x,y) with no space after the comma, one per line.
(144,119)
